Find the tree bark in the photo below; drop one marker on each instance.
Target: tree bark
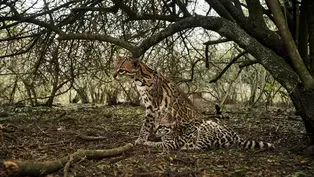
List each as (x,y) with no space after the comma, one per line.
(303,101)
(294,55)
(310,20)
(82,93)
(303,39)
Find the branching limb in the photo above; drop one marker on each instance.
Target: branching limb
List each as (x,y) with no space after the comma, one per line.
(234,12)
(238,5)
(67,166)
(31,168)
(216,41)
(248,63)
(27,49)
(114,9)
(227,67)
(256,13)
(269,59)
(125,8)
(207,48)
(170,18)
(99,37)
(182,7)
(220,9)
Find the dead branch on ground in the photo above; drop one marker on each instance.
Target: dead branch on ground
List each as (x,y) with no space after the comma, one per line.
(31,168)
(167,173)
(91,138)
(67,166)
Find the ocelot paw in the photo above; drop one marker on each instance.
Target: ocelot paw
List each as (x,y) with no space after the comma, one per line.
(140,141)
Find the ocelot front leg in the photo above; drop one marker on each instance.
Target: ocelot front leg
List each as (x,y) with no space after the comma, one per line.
(147,127)
(162,145)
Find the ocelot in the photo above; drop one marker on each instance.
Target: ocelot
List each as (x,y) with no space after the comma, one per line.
(201,135)
(166,105)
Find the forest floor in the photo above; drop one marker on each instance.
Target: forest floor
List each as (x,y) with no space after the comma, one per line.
(41,134)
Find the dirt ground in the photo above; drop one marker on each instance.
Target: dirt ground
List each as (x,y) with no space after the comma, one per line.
(41,134)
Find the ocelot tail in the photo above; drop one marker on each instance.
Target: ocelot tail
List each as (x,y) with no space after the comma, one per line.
(201,135)
(165,103)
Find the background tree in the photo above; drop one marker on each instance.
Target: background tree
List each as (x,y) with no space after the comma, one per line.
(277,35)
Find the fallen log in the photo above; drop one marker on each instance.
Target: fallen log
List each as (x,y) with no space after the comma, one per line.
(31,168)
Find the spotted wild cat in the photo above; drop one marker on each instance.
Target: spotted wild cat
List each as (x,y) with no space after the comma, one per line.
(166,105)
(201,135)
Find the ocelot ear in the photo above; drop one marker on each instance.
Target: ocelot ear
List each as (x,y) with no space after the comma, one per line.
(136,63)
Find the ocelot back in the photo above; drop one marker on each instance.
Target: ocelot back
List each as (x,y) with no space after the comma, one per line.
(165,103)
(201,135)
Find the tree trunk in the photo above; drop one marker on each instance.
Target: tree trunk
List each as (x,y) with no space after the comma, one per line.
(51,97)
(112,98)
(12,94)
(76,98)
(82,93)
(303,101)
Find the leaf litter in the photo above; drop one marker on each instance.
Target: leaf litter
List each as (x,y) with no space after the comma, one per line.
(42,133)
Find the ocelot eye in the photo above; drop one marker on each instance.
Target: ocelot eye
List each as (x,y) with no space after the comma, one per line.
(121,71)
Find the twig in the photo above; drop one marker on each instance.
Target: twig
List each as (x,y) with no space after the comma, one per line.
(167,173)
(216,41)
(91,138)
(283,118)
(1,134)
(248,63)
(227,67)
(67,166)
(207,44)
(61,115)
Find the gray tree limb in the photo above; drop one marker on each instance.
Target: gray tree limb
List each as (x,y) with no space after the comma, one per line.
(276,65)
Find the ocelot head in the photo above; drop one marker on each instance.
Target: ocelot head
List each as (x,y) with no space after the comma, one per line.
(132,68)
(126,66)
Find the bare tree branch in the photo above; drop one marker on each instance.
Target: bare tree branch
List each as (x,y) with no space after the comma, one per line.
(234,12)
(207,48)
(216,41)
(222,26)
(269,38)
(170,18)
(113,9)
(256,13)
(99,37)
(220,9)
(227,67)
(182,7)
(125,8)
(27,49)
(248,63)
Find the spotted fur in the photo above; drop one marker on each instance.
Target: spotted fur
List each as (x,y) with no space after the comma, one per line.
(167,106)
(202,135)
(165,103)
